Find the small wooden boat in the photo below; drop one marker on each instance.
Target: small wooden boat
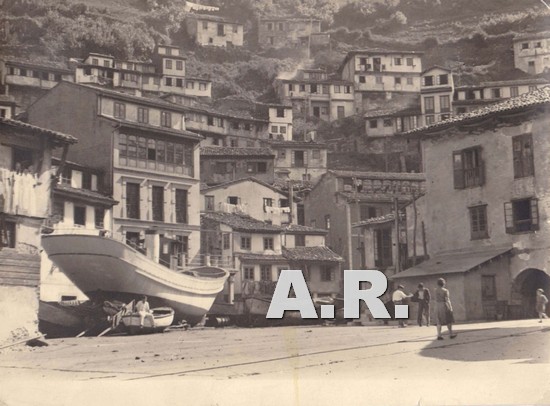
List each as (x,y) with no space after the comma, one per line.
(163,317)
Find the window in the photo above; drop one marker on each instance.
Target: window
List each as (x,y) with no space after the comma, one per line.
(340,112)
(247,127)
(209,203)
(274,129)
(245,243)
(488,287)
(525,45)
(383,247)
(397,80)
(119,110)
(165,119)
(531,64)
(397,61)
(443,79)
(168,64)
(233,199)
(179,82)
(268,202)
(99,216)
(347,89)
(265,273)
(221,30)
(168,81)
(521,215)
(280,112)
(281,154)
(428,80)
(143,115)
(282,129)
(468,168)
(190,85)
(205,25)
(410,62)
(300,240)
(268,243)
(95,61)
(316,154)
(158,203)
(235,29)
(538,44)
(532,88)
(409,81)
(181,206)
(327,222)
(210,120)
(429,104)
(248,273)
(226,241)
(387,122)
(337,89)
(327,274)
(132,200)
(80,215)
(445,103)
(298,159)
(373,123)
(495,93)
(367,212)
(270,26)
(514,92)
(379,80)
(523,156)
(478,222)
(234,143)
(362,79)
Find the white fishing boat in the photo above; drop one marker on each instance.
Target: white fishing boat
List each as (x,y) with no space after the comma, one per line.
(163,318)
(105,268)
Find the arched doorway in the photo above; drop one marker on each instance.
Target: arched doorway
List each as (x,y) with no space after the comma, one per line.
(525,287)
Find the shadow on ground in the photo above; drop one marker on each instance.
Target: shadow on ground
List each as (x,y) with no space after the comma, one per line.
(525,344)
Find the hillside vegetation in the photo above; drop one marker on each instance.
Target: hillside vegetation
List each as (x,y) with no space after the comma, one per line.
(470,36)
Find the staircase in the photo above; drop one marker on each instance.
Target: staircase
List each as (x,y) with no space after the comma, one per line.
(18,269)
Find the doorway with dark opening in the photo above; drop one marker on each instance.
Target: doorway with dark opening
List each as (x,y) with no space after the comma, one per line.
(524,291)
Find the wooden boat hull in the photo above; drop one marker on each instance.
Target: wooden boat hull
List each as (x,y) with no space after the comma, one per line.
(163,317)
(104,268)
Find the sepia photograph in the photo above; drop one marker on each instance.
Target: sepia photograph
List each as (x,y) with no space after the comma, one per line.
(274,202)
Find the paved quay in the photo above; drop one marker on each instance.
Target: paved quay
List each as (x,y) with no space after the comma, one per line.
(488,363)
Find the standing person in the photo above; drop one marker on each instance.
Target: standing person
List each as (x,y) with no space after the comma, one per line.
(541,305)
(144,311)
(422,296)
(397,298)
(444,309)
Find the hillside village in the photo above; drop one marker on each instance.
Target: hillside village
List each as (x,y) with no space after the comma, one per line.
(376,160)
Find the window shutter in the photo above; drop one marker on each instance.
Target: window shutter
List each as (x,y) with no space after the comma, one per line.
(458,171)
(517,158)
(509,217)
(306,157)
(534,215)
(292,157)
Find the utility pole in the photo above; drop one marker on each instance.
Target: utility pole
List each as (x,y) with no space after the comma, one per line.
(396,226)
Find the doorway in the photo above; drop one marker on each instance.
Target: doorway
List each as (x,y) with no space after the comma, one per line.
(525,287)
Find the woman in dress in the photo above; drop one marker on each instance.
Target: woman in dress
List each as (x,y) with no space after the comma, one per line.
(541,305)
(444,309)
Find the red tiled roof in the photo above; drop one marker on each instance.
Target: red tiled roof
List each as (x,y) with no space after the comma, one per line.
(241,222)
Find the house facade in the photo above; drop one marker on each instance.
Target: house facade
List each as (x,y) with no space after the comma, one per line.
(260,251)
(436,90)
(313,94)
(149,160)
(289,32)
(26,81)
(225,164)
(26,180)
(469,98)
(487,218)
(214,30)
(383,71)
(299,160)
(532,52)
(252,197)
(341,199)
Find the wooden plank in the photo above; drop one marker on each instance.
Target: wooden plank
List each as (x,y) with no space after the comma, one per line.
(26,340)
(105,331)
(20,282)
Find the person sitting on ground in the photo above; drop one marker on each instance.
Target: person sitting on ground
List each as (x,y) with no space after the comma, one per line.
(144,311)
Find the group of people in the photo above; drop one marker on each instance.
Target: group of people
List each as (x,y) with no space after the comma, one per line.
(444,309)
